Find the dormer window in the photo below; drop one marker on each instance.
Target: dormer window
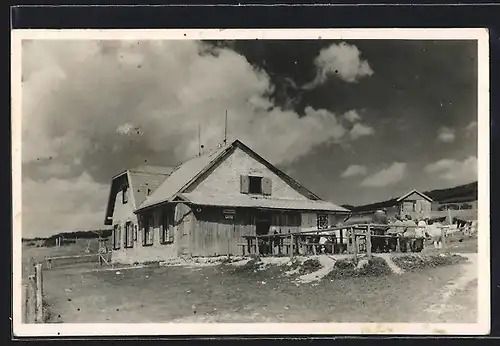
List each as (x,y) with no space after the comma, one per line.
(125,195)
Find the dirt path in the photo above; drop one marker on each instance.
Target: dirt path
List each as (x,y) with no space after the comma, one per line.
(458,299)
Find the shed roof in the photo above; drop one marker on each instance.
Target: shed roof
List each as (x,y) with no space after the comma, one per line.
(246,201)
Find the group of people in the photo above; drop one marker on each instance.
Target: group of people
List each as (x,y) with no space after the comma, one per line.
(413,233)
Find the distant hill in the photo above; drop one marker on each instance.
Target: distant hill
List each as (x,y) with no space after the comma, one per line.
(457,194)
(90,234)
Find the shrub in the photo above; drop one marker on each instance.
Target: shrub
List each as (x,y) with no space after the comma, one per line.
(250,266)
(309,266)
(376,267)
(412,262)
(345,264)
(347,268)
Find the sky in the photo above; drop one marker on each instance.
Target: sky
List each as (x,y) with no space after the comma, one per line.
(354,121)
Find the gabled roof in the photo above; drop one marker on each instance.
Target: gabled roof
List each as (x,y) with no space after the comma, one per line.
(142,179)
(139,179)
(412,192)
(189,172)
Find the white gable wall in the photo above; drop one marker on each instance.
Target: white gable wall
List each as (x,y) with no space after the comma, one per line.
(225,178)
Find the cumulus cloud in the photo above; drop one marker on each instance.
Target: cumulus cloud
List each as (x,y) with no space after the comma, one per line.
(342,60)
(62,205)
(387,176)
(354,170)
(471,128)
(360,130)
(455,171)
(97,107)
(446,135)
(352,116)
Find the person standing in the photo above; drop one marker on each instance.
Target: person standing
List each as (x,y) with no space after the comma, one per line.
(420,234)
(409,234)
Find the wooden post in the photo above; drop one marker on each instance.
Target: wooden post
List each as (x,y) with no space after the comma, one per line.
(443,236)
(257,252)
(355,244)
(291,245)
(39,293)
(369,242)
(26,303)
(314,247)
(31,300)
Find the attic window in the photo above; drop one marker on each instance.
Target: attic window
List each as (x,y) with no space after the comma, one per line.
(124,195)
(255,185)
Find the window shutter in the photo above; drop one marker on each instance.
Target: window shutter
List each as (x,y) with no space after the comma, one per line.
(266,186)
(151,233)
(170,233)
(244,184)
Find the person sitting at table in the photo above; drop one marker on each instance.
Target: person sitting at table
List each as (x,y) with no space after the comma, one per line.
(396,229)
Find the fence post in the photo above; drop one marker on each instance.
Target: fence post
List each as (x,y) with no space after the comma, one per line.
(39,293)
(257,251)
(30,300)
(291,245)
(355,243)
(369,242)
(443,237)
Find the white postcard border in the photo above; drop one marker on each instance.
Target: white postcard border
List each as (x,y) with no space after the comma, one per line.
(110,329)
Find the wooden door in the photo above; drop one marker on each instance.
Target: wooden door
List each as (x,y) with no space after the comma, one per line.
(226,236)
(184,230)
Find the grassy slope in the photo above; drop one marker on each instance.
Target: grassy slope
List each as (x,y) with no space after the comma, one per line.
(221,294)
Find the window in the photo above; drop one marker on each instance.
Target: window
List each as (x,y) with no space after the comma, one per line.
(255,185)
(125,195)
(322,221)
(149,192)
(129,235)
(147,238)
(167,230)
(116,237)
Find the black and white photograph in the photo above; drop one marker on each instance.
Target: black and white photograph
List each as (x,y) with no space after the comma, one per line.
(187,182)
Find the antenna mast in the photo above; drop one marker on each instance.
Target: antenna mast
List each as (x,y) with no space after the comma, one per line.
(199,139)
(225,129)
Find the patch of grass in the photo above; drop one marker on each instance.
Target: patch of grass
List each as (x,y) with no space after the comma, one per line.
(309,266)
(412,262)
(348,268)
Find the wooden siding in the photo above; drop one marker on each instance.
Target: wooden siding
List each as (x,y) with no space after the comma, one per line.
(225,178)
(156,251)
(122,213)
(217,233)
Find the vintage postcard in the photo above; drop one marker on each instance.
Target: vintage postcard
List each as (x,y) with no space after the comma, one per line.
(217,182)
